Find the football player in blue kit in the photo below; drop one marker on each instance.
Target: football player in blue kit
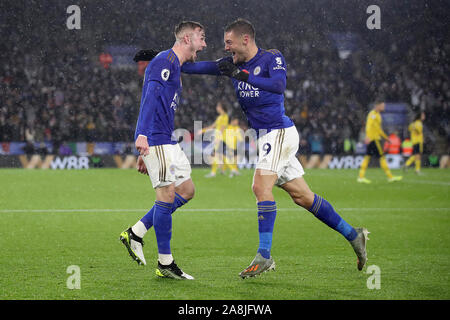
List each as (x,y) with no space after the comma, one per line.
(259,80)
(160,155)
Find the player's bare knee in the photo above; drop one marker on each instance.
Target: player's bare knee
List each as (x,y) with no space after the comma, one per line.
(302,198)
(189,193)
(166,193)
(186,189)
(169,198)
(257,189)
(262,193)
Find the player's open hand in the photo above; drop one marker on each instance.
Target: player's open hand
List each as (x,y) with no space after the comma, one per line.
(142,145)
(145,55)
(141,166)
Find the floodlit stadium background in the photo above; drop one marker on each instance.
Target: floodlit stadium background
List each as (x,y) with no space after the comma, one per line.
(75,92)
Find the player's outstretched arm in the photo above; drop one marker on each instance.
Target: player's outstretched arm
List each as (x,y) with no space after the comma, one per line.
(276,83)
(201,67)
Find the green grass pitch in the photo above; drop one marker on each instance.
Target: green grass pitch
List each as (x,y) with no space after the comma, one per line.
(50,220)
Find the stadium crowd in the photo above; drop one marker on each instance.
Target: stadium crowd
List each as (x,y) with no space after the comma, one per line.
(53,87)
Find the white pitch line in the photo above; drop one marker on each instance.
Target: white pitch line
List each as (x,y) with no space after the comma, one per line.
(438,183)
(207,210)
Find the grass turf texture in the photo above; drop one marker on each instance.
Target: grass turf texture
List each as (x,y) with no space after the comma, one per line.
(215,237)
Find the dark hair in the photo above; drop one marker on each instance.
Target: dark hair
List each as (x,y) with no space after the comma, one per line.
(418,115)
(187,25)
(379,100)
(241,27)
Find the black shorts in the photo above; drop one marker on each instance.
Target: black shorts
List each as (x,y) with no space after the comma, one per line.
(418,148)
(374,149)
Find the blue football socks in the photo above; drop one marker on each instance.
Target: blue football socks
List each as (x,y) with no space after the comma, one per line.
(267,211)
(324,211)
(147,220)
(162,222)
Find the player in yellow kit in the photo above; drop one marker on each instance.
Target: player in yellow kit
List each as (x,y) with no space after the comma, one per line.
(232,135)
(374,133)
(219,125)
(416,132)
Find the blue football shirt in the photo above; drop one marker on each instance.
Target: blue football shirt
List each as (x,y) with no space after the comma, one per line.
(264,108)
(160,98)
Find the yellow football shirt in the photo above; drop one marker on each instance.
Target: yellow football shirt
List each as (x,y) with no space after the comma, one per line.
(220,124)
(232,135)
(374,131)
(416,130)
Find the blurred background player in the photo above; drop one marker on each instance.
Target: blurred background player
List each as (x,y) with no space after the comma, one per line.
(416,132)
(374,133)
(232,136)
(160,156)
(219,127)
